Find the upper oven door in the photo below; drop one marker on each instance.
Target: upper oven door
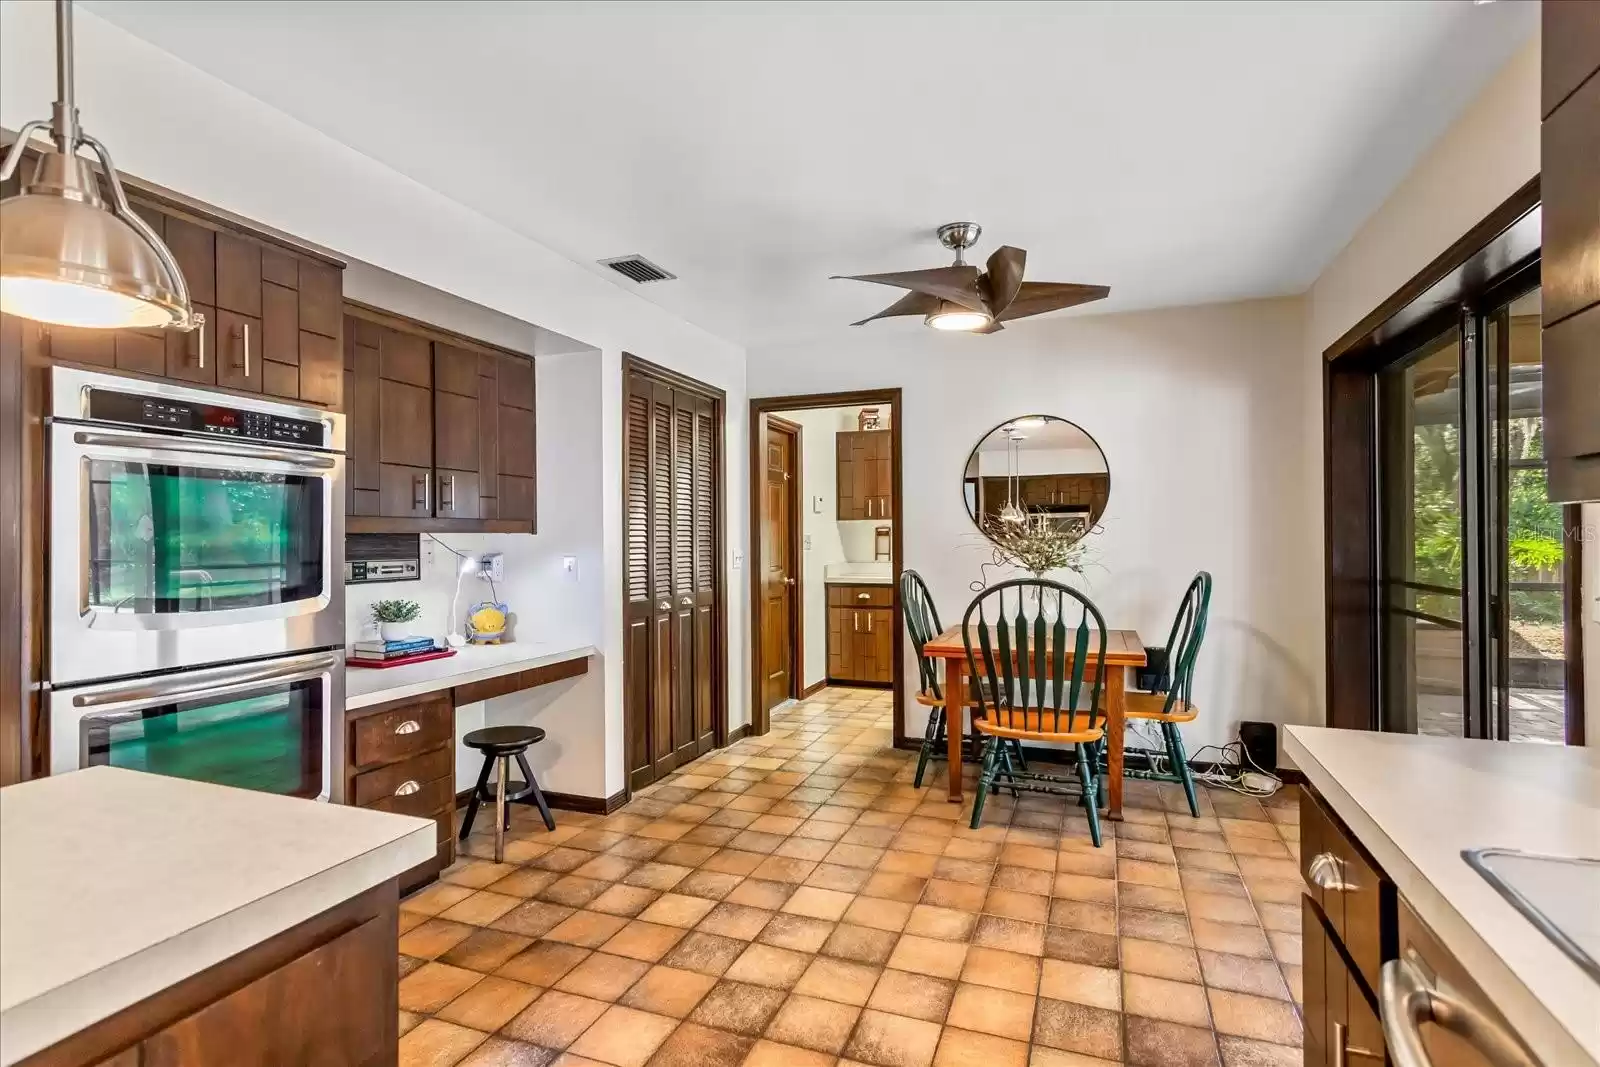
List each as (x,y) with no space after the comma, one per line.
(169,551)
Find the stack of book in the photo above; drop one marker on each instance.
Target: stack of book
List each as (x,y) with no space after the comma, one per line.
(384,651)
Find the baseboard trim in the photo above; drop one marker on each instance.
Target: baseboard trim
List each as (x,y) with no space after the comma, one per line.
(738,733)
(814,688)
(567,802)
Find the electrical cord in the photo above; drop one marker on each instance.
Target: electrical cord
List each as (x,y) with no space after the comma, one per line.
(1228,773)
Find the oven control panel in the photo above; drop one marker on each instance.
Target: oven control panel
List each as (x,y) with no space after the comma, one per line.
(167,413)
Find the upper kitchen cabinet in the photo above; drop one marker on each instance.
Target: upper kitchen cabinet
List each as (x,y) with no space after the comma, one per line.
(865,474)
(441,429)
(272,315)
(1569,187)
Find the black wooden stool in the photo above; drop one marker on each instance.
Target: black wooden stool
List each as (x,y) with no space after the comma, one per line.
(499,745)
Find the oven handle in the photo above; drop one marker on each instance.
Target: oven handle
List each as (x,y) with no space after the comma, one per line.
(160,690)
(234,450)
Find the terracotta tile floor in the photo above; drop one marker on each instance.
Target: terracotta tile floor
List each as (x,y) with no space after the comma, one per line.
(793,900)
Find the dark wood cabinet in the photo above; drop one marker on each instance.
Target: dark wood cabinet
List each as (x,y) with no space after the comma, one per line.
(1569,188)
(673,628)
(861,621)
(400,757)
(441,432)
(323,991)
(865,478)
(267,327)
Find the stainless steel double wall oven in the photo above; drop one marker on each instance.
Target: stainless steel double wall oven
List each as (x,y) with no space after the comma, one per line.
(196,594)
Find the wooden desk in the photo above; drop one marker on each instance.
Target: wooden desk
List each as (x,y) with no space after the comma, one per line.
(1124,649)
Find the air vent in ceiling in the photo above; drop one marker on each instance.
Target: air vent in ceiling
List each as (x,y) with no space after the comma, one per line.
(638,269)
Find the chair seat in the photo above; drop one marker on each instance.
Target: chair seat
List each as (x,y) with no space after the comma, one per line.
(1153,706)
(1035,726)
(503,740)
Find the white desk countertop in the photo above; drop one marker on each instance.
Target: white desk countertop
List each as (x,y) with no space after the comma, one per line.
(1416,802)
(115,885)
(365,686)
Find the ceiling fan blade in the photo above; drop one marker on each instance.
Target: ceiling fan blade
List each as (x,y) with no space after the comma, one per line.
(1004,276)
(1036,298)
(959,285)
(910,304)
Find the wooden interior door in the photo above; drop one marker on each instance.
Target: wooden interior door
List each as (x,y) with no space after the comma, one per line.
(662,750)
(672,610)
(703,588)
(779,560)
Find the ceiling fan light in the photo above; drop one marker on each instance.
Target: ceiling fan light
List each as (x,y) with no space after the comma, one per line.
(954,317)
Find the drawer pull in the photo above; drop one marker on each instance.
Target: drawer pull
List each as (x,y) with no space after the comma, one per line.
(1330,872)
(410,726)
(407,787)
(1407,1000)
(863,596)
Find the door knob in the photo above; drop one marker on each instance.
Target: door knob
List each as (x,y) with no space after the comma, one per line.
(686,601)
(788,581)
(665,605)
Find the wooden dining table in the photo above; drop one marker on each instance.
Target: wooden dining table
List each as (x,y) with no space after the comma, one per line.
(1124,649)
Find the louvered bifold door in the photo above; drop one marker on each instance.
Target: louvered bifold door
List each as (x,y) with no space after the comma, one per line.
(705,578)
(639,604)
(661,651)
(683,636)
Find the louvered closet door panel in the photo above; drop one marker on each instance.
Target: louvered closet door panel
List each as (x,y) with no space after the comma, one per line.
(704,592)
(683,735)
(661,657)
(638,610)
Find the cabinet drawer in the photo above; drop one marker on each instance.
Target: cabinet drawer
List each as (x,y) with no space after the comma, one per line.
(428,802)
(1353,895)
(420,770)
(393,735)
(861,596)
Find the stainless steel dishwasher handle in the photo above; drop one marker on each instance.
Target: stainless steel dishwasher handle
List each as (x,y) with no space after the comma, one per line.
(1407,1000)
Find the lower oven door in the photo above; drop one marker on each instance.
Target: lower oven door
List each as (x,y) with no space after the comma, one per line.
(266,726)
(169,552)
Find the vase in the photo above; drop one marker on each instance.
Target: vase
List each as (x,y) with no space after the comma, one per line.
(394,631)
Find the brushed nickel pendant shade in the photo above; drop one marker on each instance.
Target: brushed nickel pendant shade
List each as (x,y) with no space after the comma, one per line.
(67,256)
(961,297)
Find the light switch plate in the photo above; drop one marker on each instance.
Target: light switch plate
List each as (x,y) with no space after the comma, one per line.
(738,560)
(808,542)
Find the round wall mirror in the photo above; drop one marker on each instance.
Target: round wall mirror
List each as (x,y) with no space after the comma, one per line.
(1037,467)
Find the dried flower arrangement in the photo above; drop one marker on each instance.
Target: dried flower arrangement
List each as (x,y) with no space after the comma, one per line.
(1036,545)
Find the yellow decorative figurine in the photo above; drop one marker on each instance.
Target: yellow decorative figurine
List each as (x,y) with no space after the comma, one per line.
(486,623)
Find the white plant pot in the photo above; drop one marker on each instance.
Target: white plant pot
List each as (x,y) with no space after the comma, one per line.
(394,631)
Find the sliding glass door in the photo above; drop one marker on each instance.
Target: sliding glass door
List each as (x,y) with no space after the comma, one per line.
(1472,555)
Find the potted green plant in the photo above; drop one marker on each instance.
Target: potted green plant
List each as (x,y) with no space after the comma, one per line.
(394,618)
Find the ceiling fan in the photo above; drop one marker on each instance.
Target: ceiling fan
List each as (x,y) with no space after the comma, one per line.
(962,297)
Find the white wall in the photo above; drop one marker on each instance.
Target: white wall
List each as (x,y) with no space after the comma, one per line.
(1199,413)
(169,123)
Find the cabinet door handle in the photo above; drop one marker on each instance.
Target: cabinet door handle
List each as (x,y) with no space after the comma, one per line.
(1329,872)
(415,503)
(856,616)
(869,507)
(449,505)
(687,601)
(665,605)
(407,787)
(427,492)
(1343,1050)
(1407,999)
(201,330)
(869,622)
(247,350)
(410,726)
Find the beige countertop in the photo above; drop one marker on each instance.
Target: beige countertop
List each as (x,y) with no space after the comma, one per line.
(365,686)
(115,885)
(1416,802)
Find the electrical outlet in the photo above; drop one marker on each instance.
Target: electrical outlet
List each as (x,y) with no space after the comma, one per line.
(427,552)
(808,542)
(492,565)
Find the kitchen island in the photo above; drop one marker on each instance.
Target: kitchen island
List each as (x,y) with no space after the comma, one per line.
(1386,879)
(155,919)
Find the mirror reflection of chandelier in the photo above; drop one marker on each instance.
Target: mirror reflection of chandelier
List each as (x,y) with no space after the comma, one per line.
(1011,511)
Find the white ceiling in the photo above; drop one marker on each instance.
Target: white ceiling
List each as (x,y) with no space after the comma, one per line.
(1179,152)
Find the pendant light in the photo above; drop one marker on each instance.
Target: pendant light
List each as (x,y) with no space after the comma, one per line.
(1012,512)
(66,256)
